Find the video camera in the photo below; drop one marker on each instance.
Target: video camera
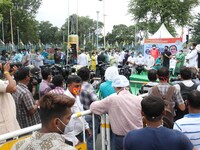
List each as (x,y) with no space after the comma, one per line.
(124,70)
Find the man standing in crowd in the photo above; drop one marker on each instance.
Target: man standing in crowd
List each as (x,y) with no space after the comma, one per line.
(123,108)
(73,90)
(8,118)
(26,58)
(82,59)
(87,96)
(191,57)
(166,57)
(154,136)
(45,84)
(26,106)
(186,85)
(55,115)
(189,124)
(165,90)
(57,56)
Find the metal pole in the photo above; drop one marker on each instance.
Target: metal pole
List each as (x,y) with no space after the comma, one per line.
(97,29)
(104,31)
(17,35)
(2,25)
(11,28)
(77,19)
(68,34)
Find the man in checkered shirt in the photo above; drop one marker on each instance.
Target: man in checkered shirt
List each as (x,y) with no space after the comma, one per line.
(26,106)
(163,86)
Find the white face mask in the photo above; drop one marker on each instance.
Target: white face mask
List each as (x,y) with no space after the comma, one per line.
(68,127)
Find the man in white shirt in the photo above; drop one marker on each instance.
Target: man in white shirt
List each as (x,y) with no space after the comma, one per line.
(82,59)
(139,62)
(73,90)
(191,58)
(149,62)
(131,62)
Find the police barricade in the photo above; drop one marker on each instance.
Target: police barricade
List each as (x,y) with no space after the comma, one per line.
(21,134)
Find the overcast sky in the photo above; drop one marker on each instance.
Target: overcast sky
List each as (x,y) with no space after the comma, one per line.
(56,11)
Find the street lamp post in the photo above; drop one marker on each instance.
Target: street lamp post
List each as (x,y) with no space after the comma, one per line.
(2,25)
(97,29)
(11,27)
(17,35)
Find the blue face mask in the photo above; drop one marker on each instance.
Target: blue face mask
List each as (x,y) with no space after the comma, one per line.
(132,54)
(24,53)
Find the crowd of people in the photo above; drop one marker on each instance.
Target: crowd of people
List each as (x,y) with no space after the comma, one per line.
(138,122)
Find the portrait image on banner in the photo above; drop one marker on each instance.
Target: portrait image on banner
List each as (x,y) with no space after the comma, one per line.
(174,44)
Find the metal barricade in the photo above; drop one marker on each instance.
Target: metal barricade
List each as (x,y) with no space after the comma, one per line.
(105,133)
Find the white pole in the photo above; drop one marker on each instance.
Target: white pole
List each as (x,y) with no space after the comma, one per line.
(103,132)
(108,132)
(93,132)
(97,29)
(68,33)
(104,31)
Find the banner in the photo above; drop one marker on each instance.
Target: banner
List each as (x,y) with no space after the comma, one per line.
(174,44)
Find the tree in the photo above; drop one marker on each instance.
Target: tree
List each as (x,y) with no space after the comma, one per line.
(169,12)
(23,17)
(196,29)
(47,32)
(120,34)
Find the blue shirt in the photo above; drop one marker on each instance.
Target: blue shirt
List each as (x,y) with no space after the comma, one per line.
(106,89)
(156,139)
(190,126)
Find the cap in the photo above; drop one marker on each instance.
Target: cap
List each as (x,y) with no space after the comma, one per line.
(111,73)
(120,81)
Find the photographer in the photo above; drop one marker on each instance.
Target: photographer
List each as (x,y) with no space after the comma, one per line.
(7,108)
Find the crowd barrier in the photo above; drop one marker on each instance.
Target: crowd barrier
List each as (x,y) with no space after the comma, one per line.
(21,134)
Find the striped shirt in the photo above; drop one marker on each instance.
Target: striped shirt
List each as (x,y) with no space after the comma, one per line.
(190,126)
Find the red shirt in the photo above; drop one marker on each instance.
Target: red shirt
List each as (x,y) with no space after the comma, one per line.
(154,53)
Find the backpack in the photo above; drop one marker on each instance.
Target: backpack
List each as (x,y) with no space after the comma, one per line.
(168,118)
(184,93)
(186,90)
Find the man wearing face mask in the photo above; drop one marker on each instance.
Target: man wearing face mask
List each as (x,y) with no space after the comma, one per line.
(55,115)
(191,57)
(38,59)
(73,90)
(25,58)
(166,57)
(139,62)
(131,62)
(149,62)
(154,52)
(123,108)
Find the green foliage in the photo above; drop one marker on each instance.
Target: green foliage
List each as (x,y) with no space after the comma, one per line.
(171,12)
(196,29)
(47,32)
